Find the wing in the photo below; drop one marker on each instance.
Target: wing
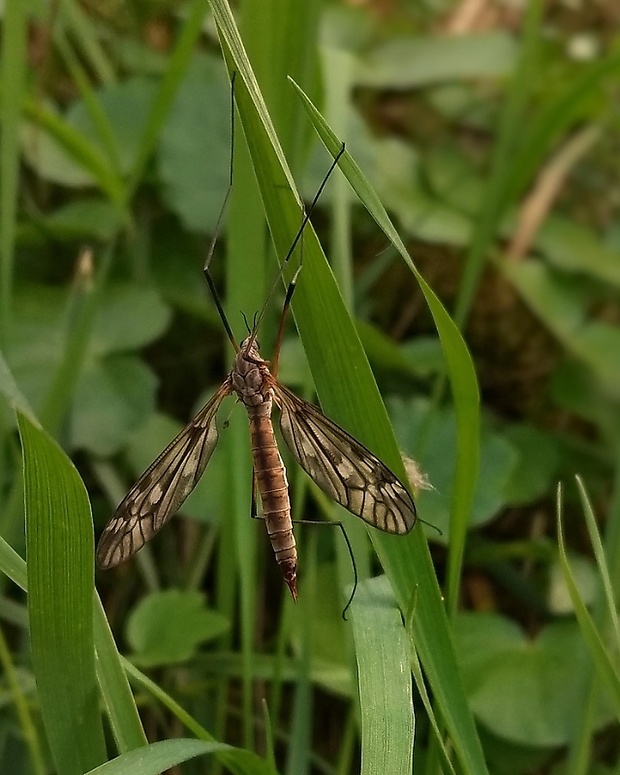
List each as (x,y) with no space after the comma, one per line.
(342,467)
(162,488)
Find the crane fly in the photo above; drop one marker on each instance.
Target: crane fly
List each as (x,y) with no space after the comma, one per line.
(341,466)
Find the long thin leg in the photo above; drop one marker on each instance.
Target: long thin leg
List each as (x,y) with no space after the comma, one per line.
(289,254)
(313,205)
(349,547)
(292,285)
(287,303)
(218,225)
(254,513)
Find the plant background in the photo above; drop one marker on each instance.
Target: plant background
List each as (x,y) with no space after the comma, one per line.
(492,141)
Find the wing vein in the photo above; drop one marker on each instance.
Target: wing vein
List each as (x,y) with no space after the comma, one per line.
(163,487)
(342,467)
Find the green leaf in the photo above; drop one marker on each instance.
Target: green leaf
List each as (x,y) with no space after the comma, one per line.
(572,248)
(59,152)
(597,344)
(522,689)
(167,627)
(537,464)
(407,63)
(131,316)
(585,579)
(194,149)
(126,105)
(557,300)
(113,398)
(404,190)
(560,303)
(59,554)
(426,433)
(88,218)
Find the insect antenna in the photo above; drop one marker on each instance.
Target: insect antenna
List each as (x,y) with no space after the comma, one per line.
(245,320)
(218,225)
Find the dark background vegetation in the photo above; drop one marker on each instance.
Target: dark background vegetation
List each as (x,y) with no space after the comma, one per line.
(503,180)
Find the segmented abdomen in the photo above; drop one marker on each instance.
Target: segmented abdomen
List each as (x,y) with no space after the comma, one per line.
(273,488)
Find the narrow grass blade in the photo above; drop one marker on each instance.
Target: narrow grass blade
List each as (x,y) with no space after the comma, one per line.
(237,760)
(601,560)
(113,683)
(458,360)
(414,574)
(14,58)
(177,67)
(157,757)
(607,673)
(385,686)
(59,548)
(79,148)
(416,668)
(11,392)
(114,686)
(17,696)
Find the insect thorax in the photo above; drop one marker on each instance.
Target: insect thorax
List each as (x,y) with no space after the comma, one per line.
(250,376)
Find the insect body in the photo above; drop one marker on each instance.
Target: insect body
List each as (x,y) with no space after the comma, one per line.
(342,467)
(254,385)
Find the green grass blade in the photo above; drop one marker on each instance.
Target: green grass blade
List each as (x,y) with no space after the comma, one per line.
(86,36)
(416,571)
(98,117)
(349,394)
(503,168)
(22,708)
(113,683)
(157,757)
(440,745)
(14,34)
(268,26)
(385,687)
(12,565)
(11,392)
(601,560)
(59,549)
(607,673)
(177,67)
(79,148)
(458,360)
(114,686)
(291,29)
(238,761)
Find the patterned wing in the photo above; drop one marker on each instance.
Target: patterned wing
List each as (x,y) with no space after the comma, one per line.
(342,467)
(163,487)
